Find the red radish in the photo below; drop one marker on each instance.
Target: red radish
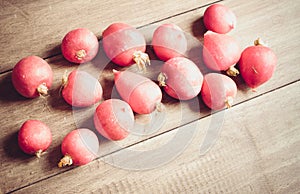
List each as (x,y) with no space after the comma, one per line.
(169,41)
(32,76)
(124,45)
(79,45)
(79,147)
(142,94)
(80,89)
(257,64)
(221,52)
(34,137)
(218,18)
(181,78)
(218,91)
(113,119)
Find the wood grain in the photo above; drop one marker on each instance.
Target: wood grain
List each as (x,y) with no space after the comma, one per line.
(37,27)
(252,155)
(20,170)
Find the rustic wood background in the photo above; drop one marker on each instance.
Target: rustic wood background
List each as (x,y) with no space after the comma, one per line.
(257,149)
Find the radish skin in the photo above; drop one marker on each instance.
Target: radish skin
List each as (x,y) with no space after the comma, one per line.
(34,137)
(221,52)
(113,119)
(169,41)
(257,64)
(80,89)
(80,45)
(125,45)
(79,147)
(32,77)
(218,18)
(142,94)
(218,91)
(181,78)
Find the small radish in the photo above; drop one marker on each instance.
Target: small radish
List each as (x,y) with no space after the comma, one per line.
(142,94)
(80,89)
(218,18)
(113,119)
(221,52)
(32,76)
(257,64)
(34,137)
(181,78)
(169,41)
(124,45)
(79,45)
(79,147)
(218,91)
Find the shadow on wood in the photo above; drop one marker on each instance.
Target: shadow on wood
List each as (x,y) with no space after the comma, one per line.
(8,92)
(198,29)
(12,148)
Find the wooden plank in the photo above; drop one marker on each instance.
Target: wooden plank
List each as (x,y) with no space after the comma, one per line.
(20,170)
(37,27)
(251,155)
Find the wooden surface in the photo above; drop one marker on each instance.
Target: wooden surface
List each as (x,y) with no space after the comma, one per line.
(257,148)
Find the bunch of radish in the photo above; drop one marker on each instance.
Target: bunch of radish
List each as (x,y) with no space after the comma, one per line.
(221,52)
(124,45)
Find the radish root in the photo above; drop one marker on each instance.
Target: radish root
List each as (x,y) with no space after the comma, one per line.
(232,71)
(161,78)
(259,42)
(65,161)
(80,54)
(160,107)
(42,89)
(39,153)
(229,102)
(142,60)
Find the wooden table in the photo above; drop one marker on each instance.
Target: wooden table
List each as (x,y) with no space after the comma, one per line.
(257,147)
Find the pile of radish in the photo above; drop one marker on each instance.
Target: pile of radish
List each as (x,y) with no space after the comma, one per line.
(124,45)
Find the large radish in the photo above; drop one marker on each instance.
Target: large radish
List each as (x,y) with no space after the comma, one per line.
(169,41)
(181,78)
(32,76)
(80,89)
(79,147)
(34,137)
(79,45)
(257,64)
(221,52)
(218,18)
(114,119)
(125,45)
(218,91)
(141,93)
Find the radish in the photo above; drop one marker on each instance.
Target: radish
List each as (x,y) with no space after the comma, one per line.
(32,76)
(79,147)
(34,137)
(181,78)
(142,94)
(80,89)
(221,52)
(218,91)
(218,18)
(113,119)
(79,45)
(257,64)
(124,45)
(169,41)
